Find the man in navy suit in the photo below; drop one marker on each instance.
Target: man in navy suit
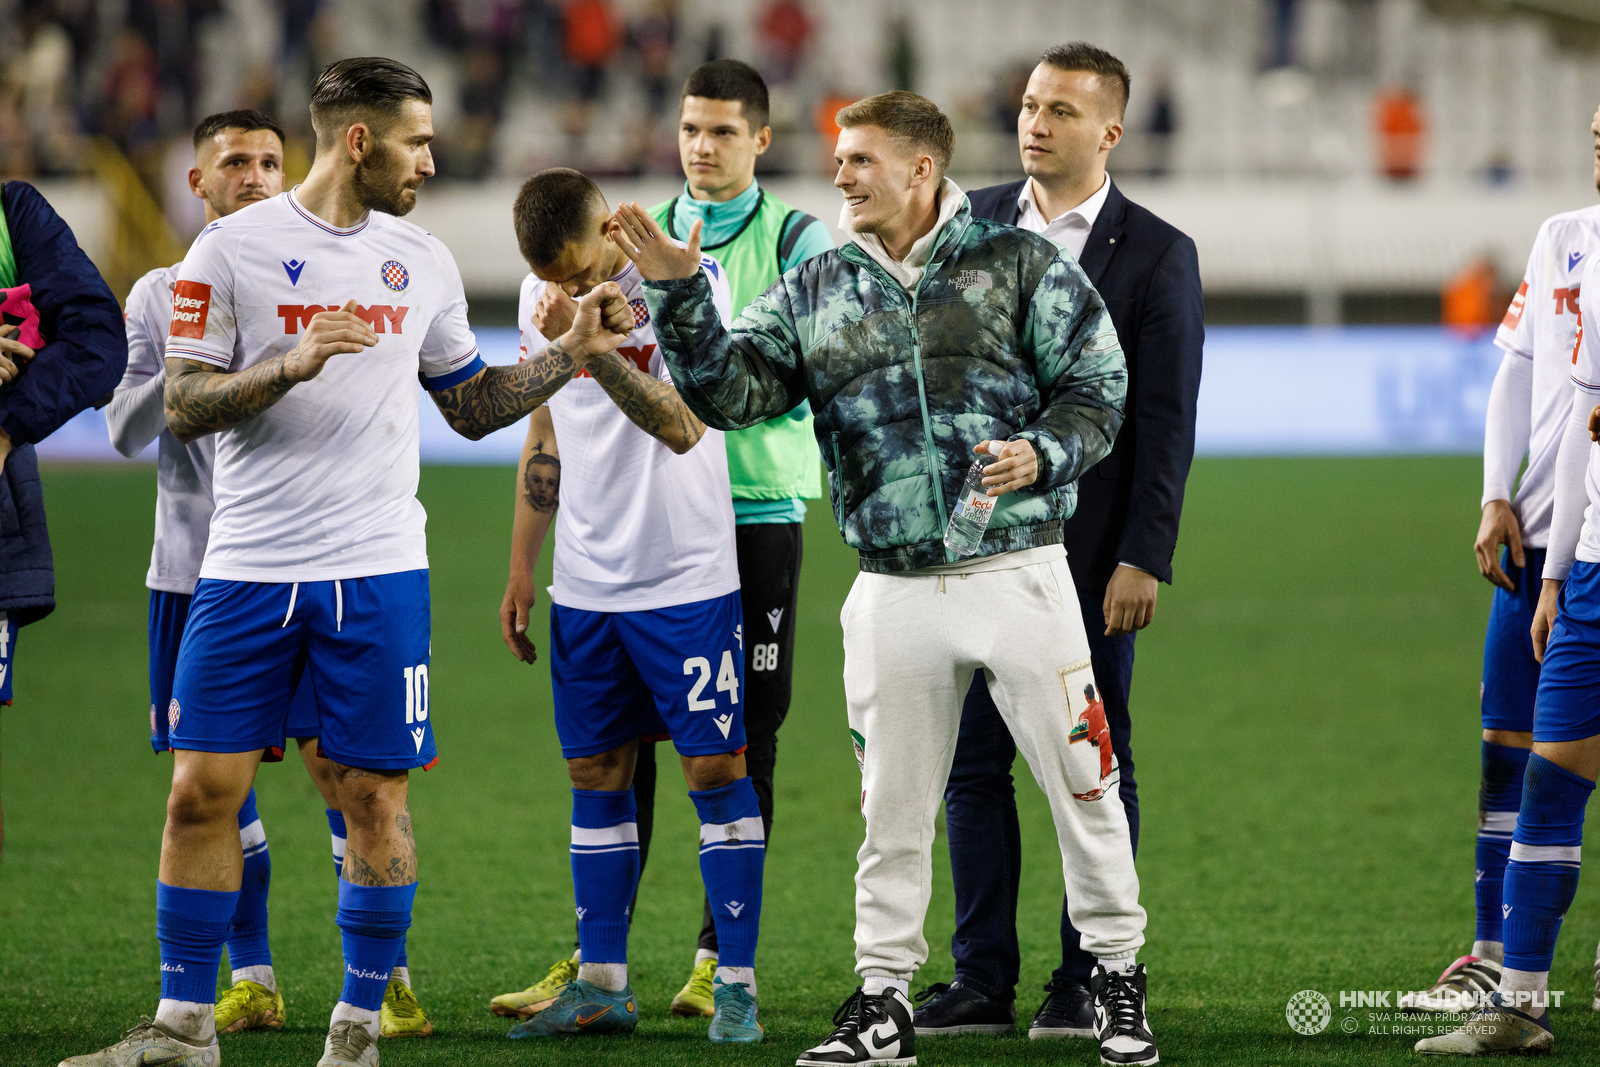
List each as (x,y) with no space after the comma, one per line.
(1119,542)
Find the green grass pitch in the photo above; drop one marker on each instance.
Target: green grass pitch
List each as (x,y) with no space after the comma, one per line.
(1305,726)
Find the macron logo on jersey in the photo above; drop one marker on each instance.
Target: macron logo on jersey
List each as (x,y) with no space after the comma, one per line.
(1573,259)
(293,269)
(376,316)
(191,303)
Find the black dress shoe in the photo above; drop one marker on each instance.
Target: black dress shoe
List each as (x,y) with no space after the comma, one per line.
(1067,1011)
(960,1009)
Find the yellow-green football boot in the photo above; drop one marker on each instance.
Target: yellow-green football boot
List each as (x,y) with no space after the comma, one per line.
(401,1015)
(526,1003)
(695,998)
(250,1006)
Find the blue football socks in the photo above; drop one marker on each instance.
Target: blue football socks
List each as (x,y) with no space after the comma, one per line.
(373,919)
(733,851)
(1499,797)
(247,935)
(192,925)
(1542,873)
(605,870)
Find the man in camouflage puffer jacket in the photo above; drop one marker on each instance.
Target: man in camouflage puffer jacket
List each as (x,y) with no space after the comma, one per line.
(928,337)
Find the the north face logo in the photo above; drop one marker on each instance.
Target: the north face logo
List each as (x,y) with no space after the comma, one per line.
(974,279)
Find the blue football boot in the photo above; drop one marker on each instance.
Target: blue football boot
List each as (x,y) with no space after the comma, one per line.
(583,1008)
(735,1016)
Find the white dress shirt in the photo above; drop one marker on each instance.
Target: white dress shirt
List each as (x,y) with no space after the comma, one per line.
(1070,229)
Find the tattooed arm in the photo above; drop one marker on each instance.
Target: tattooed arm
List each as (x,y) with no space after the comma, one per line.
(650,403)
(201,399)
(499,396)
(537,494)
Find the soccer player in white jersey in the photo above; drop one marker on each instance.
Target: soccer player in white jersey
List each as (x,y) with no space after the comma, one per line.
(1541,874)
(646,626)
(1529,405)
(238,162)
(299,328)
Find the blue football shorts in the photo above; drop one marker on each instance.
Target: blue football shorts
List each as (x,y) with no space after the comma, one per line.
(1510,673)
(8,651)
(363,642)
(676,671)
(168,613)
(1568,708)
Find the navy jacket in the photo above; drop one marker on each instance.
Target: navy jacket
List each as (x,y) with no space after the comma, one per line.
(1149,276)
(81,350)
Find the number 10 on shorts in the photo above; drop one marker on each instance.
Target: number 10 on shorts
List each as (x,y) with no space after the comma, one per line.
(417,694)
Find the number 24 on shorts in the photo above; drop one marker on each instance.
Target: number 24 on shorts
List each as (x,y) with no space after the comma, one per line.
(727,681)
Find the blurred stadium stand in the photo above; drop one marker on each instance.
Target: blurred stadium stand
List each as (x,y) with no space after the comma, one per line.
(1335,160)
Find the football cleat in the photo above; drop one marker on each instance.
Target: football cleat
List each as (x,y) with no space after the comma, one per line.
(401,1015)
(735,1019)
(1461,987)
(250,1006)
(956,1008)
(1120,1023)
(1067,1011)
(539,996)
(349,1044)
(1494,1028)
(150,1044)
(874,1030)
(582,1008)
(696,997)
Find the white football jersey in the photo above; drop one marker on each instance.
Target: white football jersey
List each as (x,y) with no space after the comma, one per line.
(322,484)
(1541,326)
(639,527)
(1585,368)
(183,472)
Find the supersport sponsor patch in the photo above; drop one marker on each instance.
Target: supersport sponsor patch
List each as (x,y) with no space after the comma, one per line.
(191,304)
(1514,312)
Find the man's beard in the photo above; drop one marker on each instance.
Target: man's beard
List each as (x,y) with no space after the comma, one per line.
(225,208)
(378,186)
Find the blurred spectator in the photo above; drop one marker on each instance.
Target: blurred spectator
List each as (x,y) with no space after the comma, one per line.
(785,31)
(1498,169)
(1282,25)
(1161,127)
(38,85)
(167,26)
(823,117)
(128,93)
(654,37)
(590,35)
(1467,302)
(902,56)
(1401,128)
(1009,86)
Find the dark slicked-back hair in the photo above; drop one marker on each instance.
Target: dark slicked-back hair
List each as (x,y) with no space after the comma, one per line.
(729,79)
(914,121)
(1083,56)
(247,119)
(555,208)
(367,89)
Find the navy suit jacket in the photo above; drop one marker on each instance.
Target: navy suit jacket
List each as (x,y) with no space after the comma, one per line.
(1149,276)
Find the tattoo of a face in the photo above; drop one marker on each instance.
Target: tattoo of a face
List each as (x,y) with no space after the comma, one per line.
(502,395)
(541,482)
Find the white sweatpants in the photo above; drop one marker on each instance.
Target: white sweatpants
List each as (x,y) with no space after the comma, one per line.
(911,645)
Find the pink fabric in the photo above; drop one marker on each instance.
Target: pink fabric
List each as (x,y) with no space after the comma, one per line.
(18,304)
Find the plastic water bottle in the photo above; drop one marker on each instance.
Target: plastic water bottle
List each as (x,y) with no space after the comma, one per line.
(972,512)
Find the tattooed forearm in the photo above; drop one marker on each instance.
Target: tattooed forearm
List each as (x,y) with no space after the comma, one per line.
(200,399)
(541,482)
(650,403)
(502,395)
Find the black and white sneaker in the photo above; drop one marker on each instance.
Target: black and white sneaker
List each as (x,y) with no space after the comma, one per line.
(1067,1011)
(873,1031)
(1120,1024)
(957,1008)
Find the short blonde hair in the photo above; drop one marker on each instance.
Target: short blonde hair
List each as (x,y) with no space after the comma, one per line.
(914,120)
